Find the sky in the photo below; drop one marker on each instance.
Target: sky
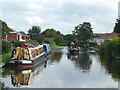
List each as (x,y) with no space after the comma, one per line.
(62,15)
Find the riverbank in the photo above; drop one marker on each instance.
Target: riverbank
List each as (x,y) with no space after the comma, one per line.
(96,49)
(53,47)
(4,58)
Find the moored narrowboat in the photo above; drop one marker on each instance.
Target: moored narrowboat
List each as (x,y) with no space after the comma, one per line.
(27,56)
(47,48)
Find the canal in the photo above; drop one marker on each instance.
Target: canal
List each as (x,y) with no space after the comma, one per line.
(63,70)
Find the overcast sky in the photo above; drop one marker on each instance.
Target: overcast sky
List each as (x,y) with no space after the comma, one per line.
(62,15)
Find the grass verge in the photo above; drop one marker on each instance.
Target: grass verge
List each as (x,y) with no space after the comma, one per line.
(55,47)
(94,48)
(5,58)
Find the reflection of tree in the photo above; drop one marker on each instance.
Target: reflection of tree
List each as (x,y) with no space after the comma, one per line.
(2,86)
(56,56)
(5,72)
(112,66)
(84,61)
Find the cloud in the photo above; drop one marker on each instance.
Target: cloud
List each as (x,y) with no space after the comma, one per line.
(119,9)
(34,20)
(62,15)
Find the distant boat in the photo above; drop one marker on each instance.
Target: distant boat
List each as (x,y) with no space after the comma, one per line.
(74,49)
(27,57)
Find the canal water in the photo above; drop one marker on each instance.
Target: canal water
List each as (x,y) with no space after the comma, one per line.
(63,70)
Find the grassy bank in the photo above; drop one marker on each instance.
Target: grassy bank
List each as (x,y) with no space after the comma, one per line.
(55,47)
(94,48)
(5,58)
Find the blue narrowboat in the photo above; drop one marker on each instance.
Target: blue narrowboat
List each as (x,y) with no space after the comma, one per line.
(47,48)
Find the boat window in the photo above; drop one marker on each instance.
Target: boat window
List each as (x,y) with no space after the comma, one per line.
(14,54)
(41,50)
(45,48)
(26,54)
(33,54)
(36,51)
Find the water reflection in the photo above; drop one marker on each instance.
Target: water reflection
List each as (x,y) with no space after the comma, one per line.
(84,70)
(5,72)
(82,60)
(56,56)
(1,85)
(112,66)
(22,77)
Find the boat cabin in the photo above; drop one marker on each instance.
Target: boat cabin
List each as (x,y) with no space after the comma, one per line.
(26,53)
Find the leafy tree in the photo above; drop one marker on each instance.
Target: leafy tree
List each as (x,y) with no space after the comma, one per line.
(83,32)
(117,26)
(4,29)
(68,38)
(6,47)
(22,32)
(34,33)
(52,33)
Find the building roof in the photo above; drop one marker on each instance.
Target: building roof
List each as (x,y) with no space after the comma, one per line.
(110,35)
(13,31)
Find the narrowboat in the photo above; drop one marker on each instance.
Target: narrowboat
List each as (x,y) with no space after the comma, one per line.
(47,48)
(27,57)
(74,49)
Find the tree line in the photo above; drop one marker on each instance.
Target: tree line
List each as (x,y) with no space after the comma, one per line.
(80,35)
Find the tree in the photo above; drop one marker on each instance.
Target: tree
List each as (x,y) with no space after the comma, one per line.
(6,47)
(117,26)
(52,33)
(83,32)
(34,32)
(4,29)
(22,32)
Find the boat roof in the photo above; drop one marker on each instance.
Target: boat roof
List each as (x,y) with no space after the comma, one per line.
(46,44)
(34,47)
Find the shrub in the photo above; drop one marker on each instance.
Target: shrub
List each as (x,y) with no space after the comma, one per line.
(92,44)
(102,48)
(6,47)
(110,48)
(17,43)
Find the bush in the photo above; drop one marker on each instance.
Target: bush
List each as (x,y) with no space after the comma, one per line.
(92,44)
(17,43)
(102,48)
(110,48)
(6,47)
(30,41)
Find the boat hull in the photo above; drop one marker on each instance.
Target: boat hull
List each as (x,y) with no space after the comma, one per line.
(27,64)
(74,52)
